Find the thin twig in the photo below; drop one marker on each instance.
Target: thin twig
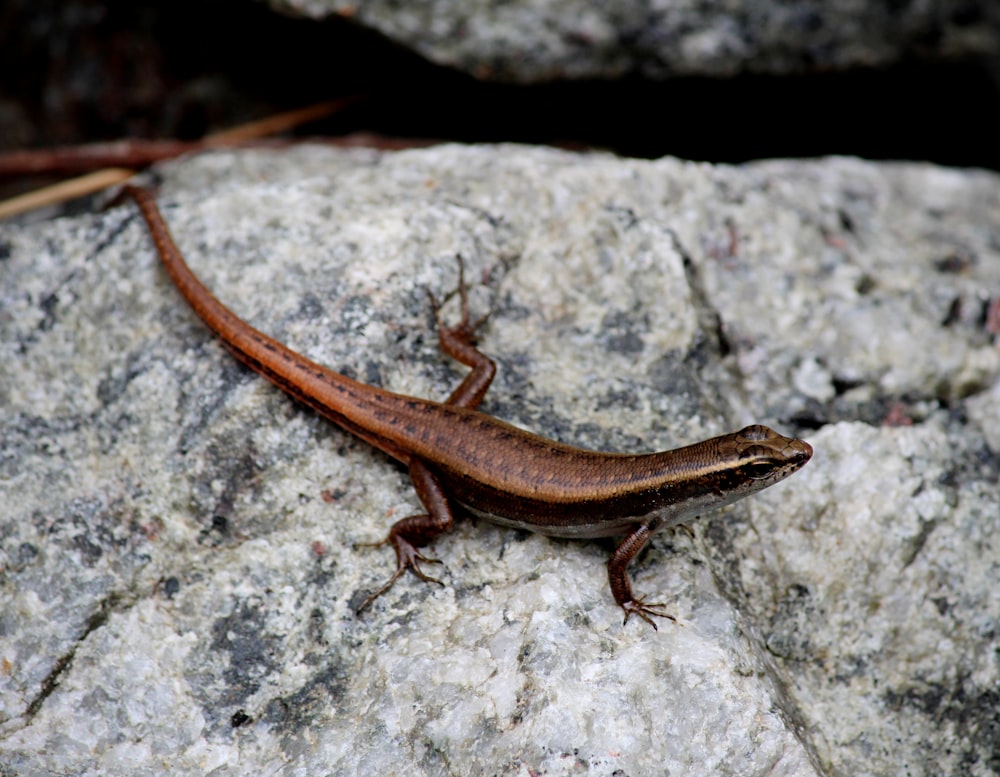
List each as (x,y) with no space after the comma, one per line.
(127,154)
(64,190)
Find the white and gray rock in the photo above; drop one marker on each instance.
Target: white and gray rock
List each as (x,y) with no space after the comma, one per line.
(543,40)
(177,570)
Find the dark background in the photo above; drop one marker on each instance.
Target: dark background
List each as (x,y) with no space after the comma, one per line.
(86,70)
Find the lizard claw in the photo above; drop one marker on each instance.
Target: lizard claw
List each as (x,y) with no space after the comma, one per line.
(465,330)
(646,611)
(407,558)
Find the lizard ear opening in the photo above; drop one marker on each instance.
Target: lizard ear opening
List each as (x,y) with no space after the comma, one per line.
(759,470)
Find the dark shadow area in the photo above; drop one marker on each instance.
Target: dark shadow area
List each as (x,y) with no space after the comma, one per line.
(85,70)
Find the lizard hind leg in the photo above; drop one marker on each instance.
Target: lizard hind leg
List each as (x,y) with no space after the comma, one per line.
(459,342)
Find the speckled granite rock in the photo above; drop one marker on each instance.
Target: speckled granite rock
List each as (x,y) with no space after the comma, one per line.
(541,40)
(178,570)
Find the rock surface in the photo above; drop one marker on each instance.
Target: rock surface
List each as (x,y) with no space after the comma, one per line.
(177,570)
(542,40)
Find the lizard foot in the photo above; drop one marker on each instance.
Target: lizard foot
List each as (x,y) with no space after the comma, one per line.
(407,558)
(645,611)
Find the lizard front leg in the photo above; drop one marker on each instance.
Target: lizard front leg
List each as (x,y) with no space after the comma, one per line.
(621,585)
